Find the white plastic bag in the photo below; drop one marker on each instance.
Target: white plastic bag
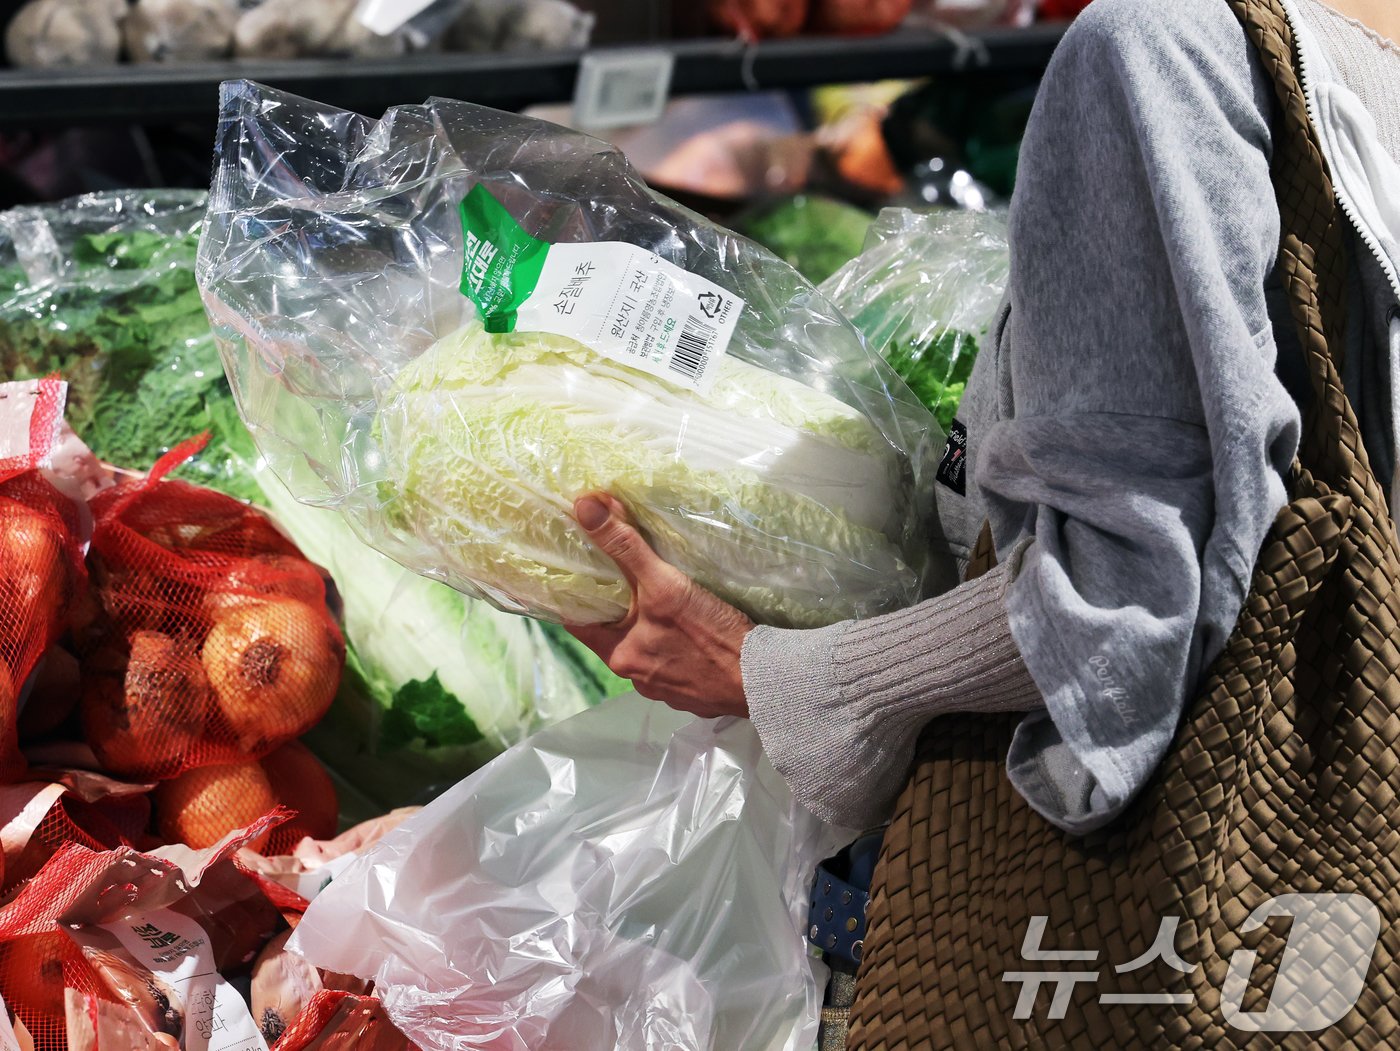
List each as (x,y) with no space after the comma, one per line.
(633,878)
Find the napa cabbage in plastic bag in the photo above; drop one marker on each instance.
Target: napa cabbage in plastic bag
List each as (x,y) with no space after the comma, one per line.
(788,471)
(632,878)
(924,293)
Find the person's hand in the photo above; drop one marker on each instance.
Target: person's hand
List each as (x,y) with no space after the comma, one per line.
(678,643)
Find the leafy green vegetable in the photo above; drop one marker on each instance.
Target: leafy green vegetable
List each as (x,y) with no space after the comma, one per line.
(923,293)
(937,370)
(423,711)
(117,314)
(815,235)
(772,494)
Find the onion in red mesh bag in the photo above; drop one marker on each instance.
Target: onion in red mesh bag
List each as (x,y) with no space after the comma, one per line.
(299,782)
(158,932)
(31,977)
(216,644)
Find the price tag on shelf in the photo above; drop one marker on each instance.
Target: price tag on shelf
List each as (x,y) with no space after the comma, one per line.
(388,16)
(619,88)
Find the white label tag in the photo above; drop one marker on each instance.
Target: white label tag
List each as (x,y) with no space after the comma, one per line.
(177,949)
(310,884)
(387,16)
(8,1041)
(634,307)
(20,402)
(622,88)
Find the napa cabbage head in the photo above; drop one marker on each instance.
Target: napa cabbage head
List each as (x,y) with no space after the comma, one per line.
(780,498)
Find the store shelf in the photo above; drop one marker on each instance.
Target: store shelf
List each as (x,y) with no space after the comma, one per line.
(163,94)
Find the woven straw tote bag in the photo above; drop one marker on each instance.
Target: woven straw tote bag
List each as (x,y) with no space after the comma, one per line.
(1272,823)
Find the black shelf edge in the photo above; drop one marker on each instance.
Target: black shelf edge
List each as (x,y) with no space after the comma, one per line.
(160,94)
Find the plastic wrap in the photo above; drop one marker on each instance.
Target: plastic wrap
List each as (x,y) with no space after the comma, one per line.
(632,878)
(101,290)
(924,292)
(793,481)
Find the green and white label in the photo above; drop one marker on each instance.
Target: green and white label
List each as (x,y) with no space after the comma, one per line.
(620,300)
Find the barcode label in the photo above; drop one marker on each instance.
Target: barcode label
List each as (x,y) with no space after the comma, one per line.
(631,305)
(693,348)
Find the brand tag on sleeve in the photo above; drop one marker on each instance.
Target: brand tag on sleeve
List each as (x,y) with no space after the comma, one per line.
(952,469)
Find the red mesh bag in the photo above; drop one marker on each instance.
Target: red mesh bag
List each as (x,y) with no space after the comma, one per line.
(70,821)
(301,783)
(52,939)
(62,807)
(41,567)
(41,559)
(215,644)
(339,1021)
(37,958)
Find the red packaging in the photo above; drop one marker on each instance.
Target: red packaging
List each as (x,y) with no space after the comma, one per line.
(215,644)
(38,819)
(107,925)
(859,17)
(758,19)
(41,564)
(337,1021)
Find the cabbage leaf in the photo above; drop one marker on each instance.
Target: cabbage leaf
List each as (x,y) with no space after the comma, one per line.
(780,498)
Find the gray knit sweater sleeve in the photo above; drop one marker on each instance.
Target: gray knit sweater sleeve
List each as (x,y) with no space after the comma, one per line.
(839,709)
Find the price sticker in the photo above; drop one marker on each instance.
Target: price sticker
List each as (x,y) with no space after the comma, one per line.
(621,88)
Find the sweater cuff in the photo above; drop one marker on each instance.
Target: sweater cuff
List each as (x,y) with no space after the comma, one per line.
(839,709)
(791,694)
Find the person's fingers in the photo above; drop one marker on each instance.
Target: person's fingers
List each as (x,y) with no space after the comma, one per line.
(607,525)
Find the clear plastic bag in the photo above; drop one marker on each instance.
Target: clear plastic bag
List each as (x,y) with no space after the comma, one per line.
(793,481)
(100,289)
(632,878)
(924,293)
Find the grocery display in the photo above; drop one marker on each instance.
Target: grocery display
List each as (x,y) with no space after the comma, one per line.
(69,33)
(816,235)
(297,746)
